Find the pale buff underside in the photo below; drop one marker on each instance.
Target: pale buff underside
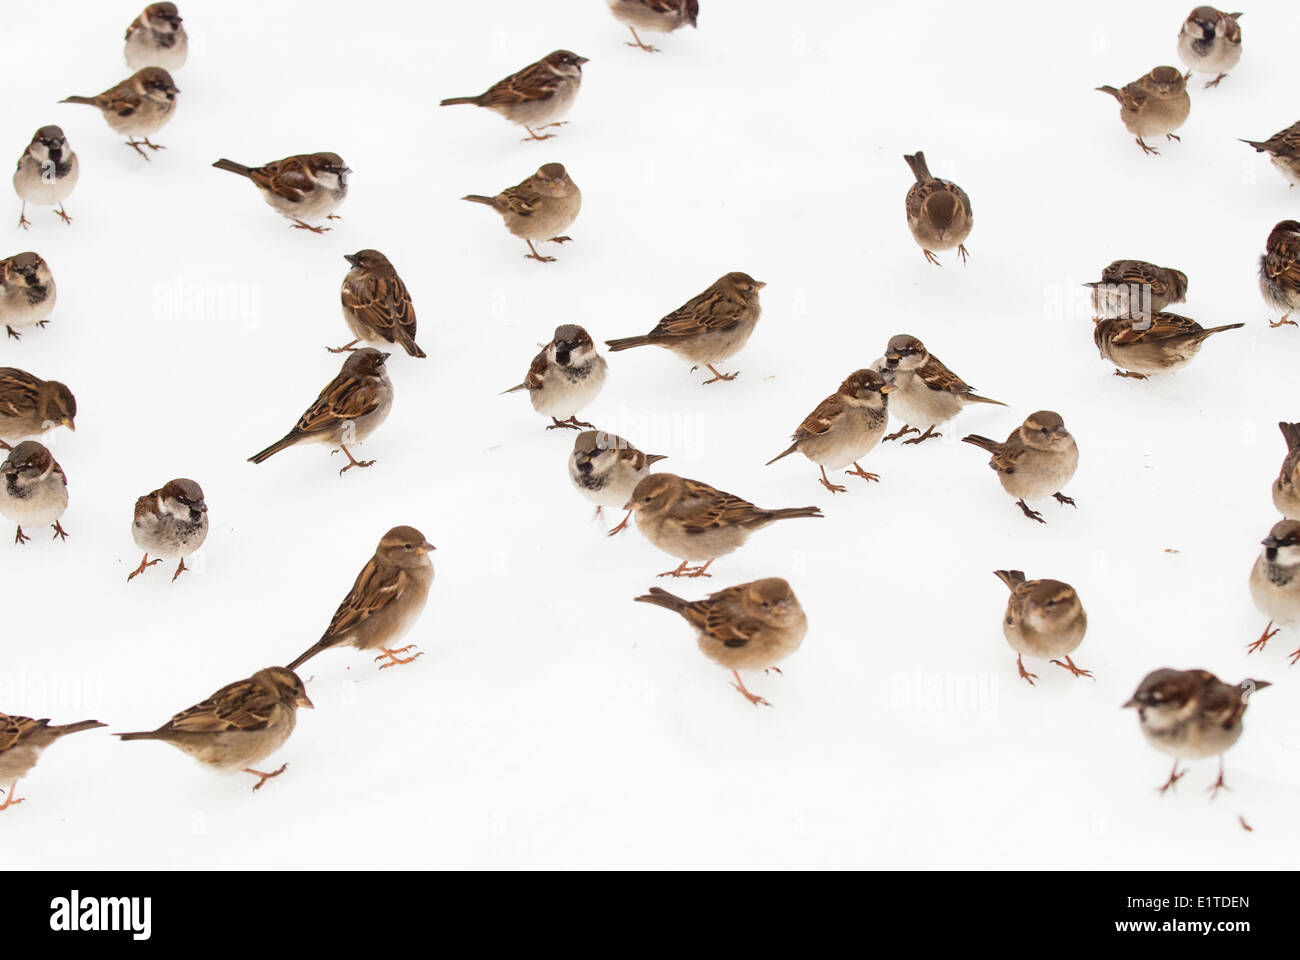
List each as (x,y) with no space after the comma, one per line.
(17,311)
(168,539)
(1151,359)
(852,438)
(145,121)
(1279,602)
(1158,117)
(643,18)
(1286,498)
(17,762)
(1220,58)
(1041,474)
(318,205)
(142,51)
(238,749)
(766,649)
(44,503)
(1024,638)
(31,188)
(1191,740)
(928,237)
(536,113)
(561,397)
(912,402)
(669,537)
(552,218)
(712,347)
(386,627)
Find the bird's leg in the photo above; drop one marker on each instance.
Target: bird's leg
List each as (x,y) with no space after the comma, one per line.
(1294,657)
(684,571)
(719,376)
(752,698)
(1031,514)
(777,670)
(857,471)
(59,532)
(639,43)
(62,214)
(1130,374)
(352,461)
(296,224)
(575,422)
(23,222)
(563,424)
(9,797)
(963,253)
(13,334)
(145,564)
(332,216)
(555,123)
(534,255)
(392,656)
(1264,638)
(1218,784)
(560,240)
(832,487)
(1284,322)
(1174,777)
(1064,500)
(929,432)
(532,135)
(137,144)
(180,568)
(901,433)
(1069,665)
(1215,81)
(623,524)
(21,537)
(265,776)
(1025,674)
(1187,76)
(1149,151)
(1173,136)
(929,255)
(346,348)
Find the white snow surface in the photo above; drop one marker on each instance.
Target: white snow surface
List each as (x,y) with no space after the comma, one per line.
(552,722)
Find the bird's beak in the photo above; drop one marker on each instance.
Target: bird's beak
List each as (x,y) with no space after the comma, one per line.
(304,701)
(1270,541)
(630,505)
(655,457)
(1131,703)
(424,548)
(1059,434)
(888,388)
(347,170)
(759,284)
(172,91)
(582,60)
(1258,684)
(350,258)
(67,422)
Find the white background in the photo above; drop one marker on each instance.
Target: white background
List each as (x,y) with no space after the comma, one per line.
(551,721)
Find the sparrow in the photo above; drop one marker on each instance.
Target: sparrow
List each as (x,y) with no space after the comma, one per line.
(1283,149)
(171,523)
(385,601)
(1044,619)
(938,211)
(1279,271)
(1275,581)
(565,377)
(708,328)
(376,304)
(306,186)
(925,391)
(1037,460)
(347,411)
(29,405)
(1136,288)
(47,172)
(606,469)
(34,491)
(540,208)
(27,292)
(844,427)
(537,96)
(22,741)
(240,725)
(157,39)
(751,626)
(1190,714)
(138,106)
(659,16)
(1210,42)
(1160,343)
(1154,105)
(691,520)
(1286,488)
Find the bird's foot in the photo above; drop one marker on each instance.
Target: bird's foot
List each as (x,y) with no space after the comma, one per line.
(59,532)
(560,240)
(20,537)
(10,799)
(1077,671)
(1149,151)
(352,461)
(137,144)
(1215,82)
(23,222)
(832,487)
(1025,674)
(1064,500)
(1214,788)
(393,656)
(1286,321)
(930,433)
(346,348)
(1031,514)
(532,135)
(639,44)
(332,216)
(1174,777)
(752,698)
(686,571)
(296,224)
(62,215)
(900,433)
(13,334)
(857,471)
(1173,136)
(145,564)
(264,776)
(963,253)
(1130,374)
(180,568)
(621,526)
(929,255)
(1269,633)
(719,376)
(1294,657)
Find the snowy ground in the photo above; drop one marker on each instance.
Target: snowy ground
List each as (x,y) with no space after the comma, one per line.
(552,722)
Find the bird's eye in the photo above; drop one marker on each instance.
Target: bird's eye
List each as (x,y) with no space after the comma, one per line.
(409,546)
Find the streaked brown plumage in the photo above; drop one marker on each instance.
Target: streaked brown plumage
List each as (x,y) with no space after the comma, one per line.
(30,405)
(376,304)
(1279,271)
(1160,343)
(938,211)
(1283,148)
(1154,105)
(22,741)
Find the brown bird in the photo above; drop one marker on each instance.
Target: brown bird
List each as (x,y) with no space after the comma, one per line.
(1136,288)
(1279,271)
(137,107)
(1159,343)
(537,96)
(1154,105)
(302,187)
(938,211)
(1283,148)
(376,304)
(30,405)
(22,741)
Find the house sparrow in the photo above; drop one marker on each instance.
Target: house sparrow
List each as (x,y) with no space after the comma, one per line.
(938,212)
(306,186)
(1275,581)
(171,523)
(1210,42)
(537,96)
(1154,105)
(691,520)
(565,377)
(1279,271)
(659,16)
(34,491)
(47,172)
(137,107)
(27,292)
(376,304)
(925,391)
(347,411)
(29,405)
(540,208)
(1286,488)
(1130,288)
(708,328)
(385,601)
(606,469)
(1283,148)
(1044,619)
(844,427)
(1037,460)
(157,39)
(751,626)
(1160,343)
(240,725)
(22,741)
(1190,714)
